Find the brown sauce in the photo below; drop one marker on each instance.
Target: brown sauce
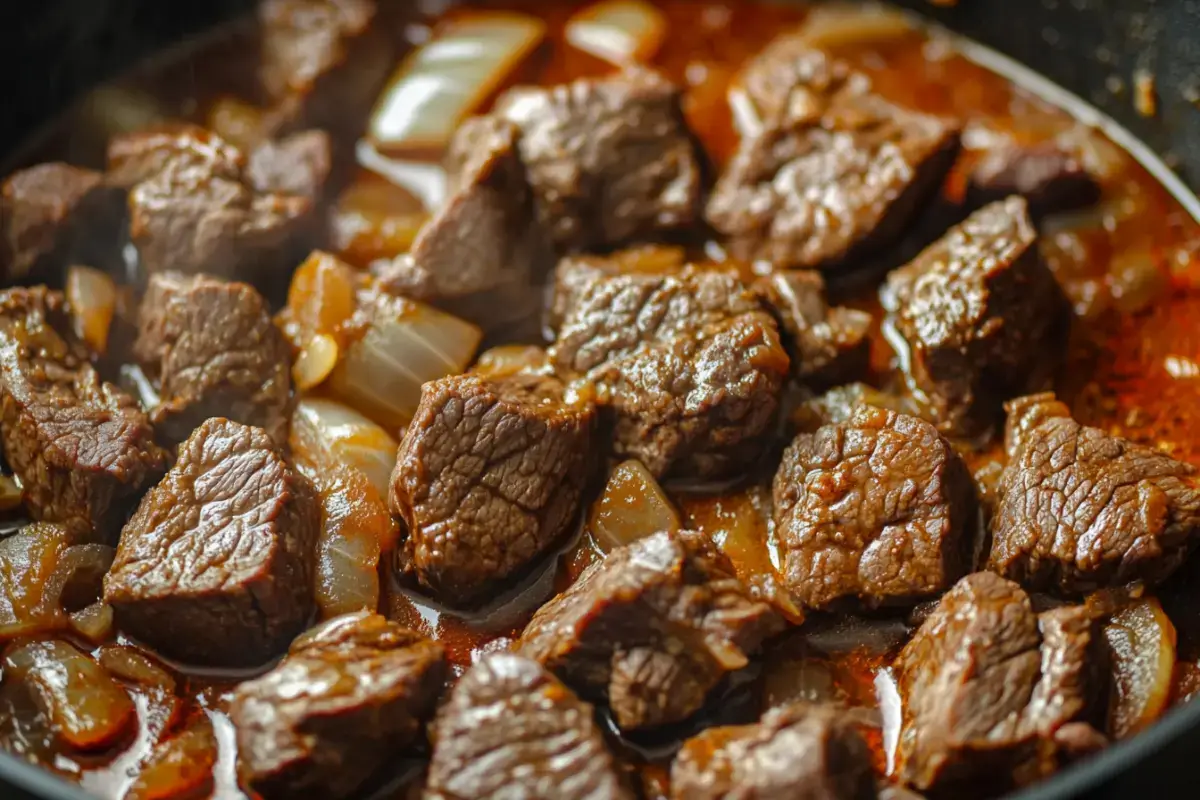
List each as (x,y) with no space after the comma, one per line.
(1131,268)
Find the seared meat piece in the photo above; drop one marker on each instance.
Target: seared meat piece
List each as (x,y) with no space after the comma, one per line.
(193,207)
(1049,178)
(488,476)
(983,318)
(214,351)
(82,448)
(478,256)
(351,695)
(652,628)
(510,729)
(689,368)
(323,62)
(54,212)
(215,566)
(988,686)
(573,275)
(609,159)
(799,752)
(295,165)
(828,346)
(1080,509)
(877,509)
(835,174)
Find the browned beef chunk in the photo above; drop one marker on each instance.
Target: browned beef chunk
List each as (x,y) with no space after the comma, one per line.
(652,628)
(1049,178)
(510,729)
(982,317)
(988,686)
(802,752)
(609,159)
(573,275)
(489,475)
(214,351)
(54,212)
(828,345)
(1080,509)
(350,697)
(294,165)
(323,62)
(82,448)
(478,256)
(215,566)
(835,174)
(689,368)
(878,508)
(193,207)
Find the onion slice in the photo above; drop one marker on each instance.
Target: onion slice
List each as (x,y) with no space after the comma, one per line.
(1141,643)
(86,708)
(28,562)
(444,80)
(321,300)
(632,507)
(328,435)
(374,218)
(92,298)
(182,766)
(618,31)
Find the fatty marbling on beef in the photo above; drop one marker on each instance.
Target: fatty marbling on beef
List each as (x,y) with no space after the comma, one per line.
(216,565)
(352,696)
(651,629)
(82,448)
(511,729)
(489,475)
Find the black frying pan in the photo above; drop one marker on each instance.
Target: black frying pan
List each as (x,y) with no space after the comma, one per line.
(51,50)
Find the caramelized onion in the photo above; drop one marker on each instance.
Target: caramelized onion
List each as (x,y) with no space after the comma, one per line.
(327,434)
(632,507)
(150,679)
(403,345)
(86,708)
(182,766)
(94,622)
(445,79)
(92,298)
(618,31)
(375,219)
(1141,642)
(28,562)
(321,299)
(510,359)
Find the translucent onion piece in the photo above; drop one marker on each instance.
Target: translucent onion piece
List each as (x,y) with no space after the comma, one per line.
(315,362)
(445,79)
(836,25)
(355,530)
(321,299)
(632,507)
(86,708)
(328,435)
(1141,641)
(92,298)
(94,623)
(375,219)
(421,179)
(403,345)
(151,680)
(180,767)
(77,580)
(618,31)
(28,560)
(510,359)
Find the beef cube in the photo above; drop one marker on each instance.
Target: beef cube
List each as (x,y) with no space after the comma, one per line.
(652,628)
(573,276)
(489,475)
(1080,509)
(82,448)
(982,317)
(1049,178)
(216,565)
(323,62)
(298,164)
(988,685)
(834,175)
(609,159)
(798,751)
(214,351)
(350,696)
(478,257)
(194,209)
(54,215)
(510,729)
(828,345)
(877,509)
(689,369)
